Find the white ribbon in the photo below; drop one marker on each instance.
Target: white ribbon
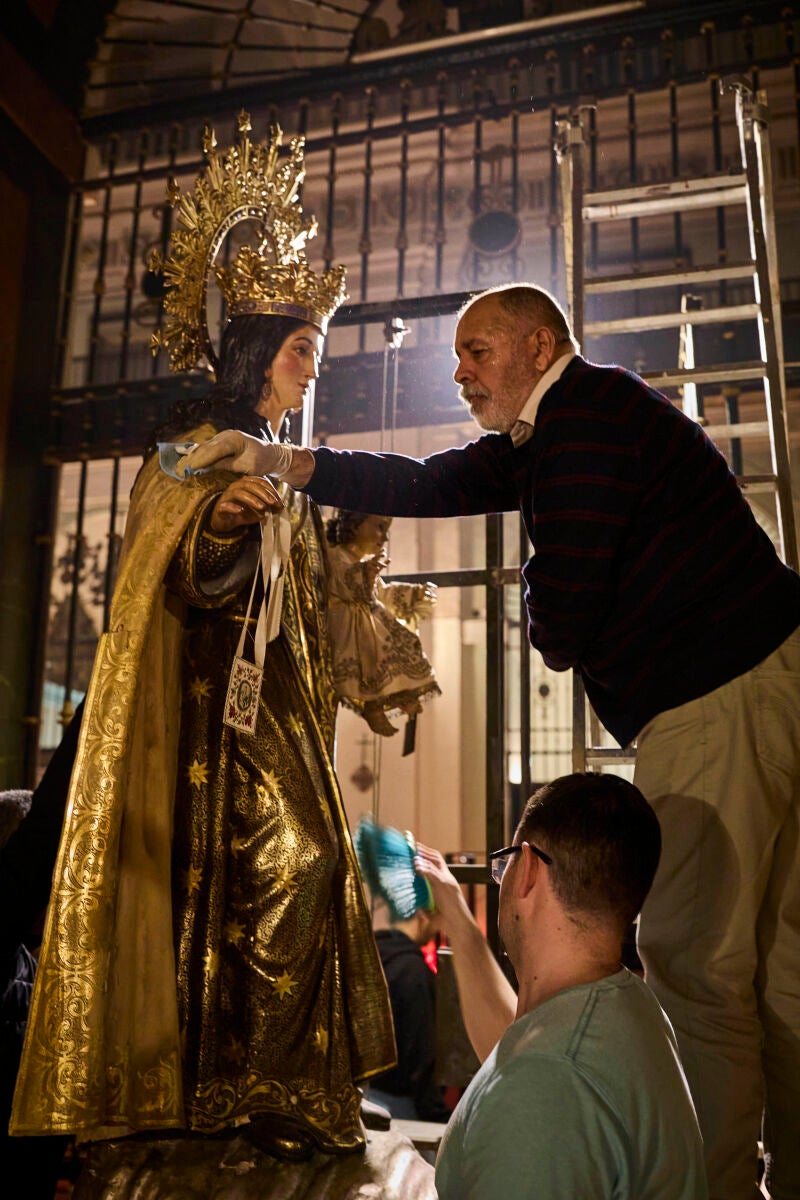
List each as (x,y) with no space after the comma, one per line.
(276,537)
(276,540)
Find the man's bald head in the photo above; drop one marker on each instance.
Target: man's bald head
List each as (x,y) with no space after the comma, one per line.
(527,307)
(506,339)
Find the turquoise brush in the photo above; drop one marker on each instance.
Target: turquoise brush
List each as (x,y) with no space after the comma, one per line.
(386,858)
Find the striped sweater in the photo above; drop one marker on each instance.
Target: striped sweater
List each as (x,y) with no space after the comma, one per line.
(649,573)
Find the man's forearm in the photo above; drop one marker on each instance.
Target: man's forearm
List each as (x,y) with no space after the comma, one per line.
(488,1001)
(453,483)
(301,468)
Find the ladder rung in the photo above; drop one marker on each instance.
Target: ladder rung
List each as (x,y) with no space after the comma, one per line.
(668,187)
(738,429)
(601,754)
(757,483)
(695,316)
(621,209)
(722,374)
(680,276)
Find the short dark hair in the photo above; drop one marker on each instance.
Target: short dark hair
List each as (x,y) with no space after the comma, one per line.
(531,306)
(605,842)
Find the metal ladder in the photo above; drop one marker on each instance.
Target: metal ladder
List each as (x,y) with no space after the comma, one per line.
(752,188)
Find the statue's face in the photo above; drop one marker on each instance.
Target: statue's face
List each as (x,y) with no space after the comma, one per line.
(372,534)
(294,368)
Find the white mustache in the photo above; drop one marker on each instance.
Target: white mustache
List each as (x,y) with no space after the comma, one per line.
(468,394)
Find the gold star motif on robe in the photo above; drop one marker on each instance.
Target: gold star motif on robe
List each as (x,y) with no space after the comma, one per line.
(211,962)
(198,773)
(237,844)
(283,985)
(235,1052)
(234,932)
(321,1039)
(191,879)
(200,689)
(271,782)
(295,725)
(284,881)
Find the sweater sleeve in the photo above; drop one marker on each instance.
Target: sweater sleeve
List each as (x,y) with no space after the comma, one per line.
(586,493)
(459,482)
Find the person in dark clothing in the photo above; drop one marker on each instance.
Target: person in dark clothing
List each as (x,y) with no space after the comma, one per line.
(650,576)
(410,1089)
(28,857)
(26,868)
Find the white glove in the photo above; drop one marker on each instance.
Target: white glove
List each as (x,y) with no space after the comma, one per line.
(233,450)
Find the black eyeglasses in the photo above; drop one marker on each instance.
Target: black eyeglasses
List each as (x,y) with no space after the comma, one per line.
(499,859)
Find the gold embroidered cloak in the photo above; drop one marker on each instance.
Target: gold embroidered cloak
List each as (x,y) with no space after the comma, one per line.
(114,1042)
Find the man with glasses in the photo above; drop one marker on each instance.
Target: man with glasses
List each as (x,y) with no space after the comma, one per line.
(583,1096)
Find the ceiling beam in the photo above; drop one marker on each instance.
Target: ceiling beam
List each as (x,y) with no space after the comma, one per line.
(39,114)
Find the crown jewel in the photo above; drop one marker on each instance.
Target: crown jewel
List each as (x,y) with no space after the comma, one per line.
(270,273)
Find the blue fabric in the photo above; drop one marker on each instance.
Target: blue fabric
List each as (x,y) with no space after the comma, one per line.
(402,1107)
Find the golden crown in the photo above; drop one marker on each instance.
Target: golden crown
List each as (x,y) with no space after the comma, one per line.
(249,183)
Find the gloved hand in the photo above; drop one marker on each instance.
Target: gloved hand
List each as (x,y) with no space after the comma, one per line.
(233,450)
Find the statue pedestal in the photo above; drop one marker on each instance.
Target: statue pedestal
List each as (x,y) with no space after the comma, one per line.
(230,1168)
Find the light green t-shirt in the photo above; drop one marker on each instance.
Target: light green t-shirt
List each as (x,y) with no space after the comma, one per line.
(583,1098)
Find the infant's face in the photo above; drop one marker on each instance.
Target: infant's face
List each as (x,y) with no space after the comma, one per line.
(372,534)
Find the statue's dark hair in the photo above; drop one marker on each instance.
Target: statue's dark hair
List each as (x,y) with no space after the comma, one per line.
(342,527)
(249,344)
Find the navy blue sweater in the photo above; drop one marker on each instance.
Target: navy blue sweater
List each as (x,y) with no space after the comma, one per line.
(650,574)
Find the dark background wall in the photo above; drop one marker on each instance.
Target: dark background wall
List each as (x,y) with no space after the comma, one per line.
(33,208)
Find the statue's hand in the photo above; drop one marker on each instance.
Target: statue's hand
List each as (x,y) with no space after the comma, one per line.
(377,719)
(244,502)
(373,565)
(233,450)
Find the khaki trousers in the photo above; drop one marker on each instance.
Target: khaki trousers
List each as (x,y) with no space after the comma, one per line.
(720,930)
